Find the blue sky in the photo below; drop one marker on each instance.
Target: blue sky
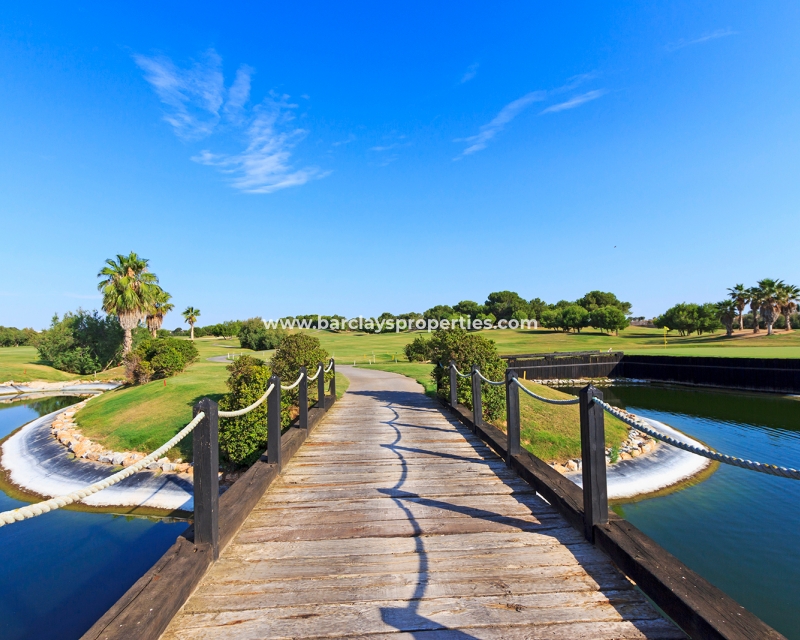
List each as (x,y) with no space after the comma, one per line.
(356,158)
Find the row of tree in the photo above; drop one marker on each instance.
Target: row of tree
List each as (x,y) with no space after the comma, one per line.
(769,299)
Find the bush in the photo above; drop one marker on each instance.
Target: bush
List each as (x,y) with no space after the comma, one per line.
(159,358)
(686,318)
(82,342)
(608,319)
(242,439)
(419,350)
(253,334)
(298,350)
(467,349)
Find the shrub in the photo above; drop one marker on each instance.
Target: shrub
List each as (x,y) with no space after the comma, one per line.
(298,350)
(13,337)
(608,319)
(419,350)
(467,349)
(242,439)
(254,335)
(159,358)
(82,342)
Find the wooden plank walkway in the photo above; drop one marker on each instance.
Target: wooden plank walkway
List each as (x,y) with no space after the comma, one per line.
(393,521)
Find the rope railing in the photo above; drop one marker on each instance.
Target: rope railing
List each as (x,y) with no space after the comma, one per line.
(330,366)
(314,377)
(638,424)
(542,398)
(485,379)
(459,374)
(38,508)
(248,409)
(294,384)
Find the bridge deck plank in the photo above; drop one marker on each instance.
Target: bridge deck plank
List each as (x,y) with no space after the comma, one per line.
(393,521)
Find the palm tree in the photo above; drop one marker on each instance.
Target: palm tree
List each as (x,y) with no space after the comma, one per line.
(727,314)
(754,300)
(740,297)
(160,307)
(788,297)
(769,301)
(190,315)
(128,290)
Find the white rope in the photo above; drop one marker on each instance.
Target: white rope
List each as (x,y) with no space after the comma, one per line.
(316,375)
(485,379)
(639,424)
(459,374)
(330,366)
(37,509)
(241,412)
(294,384)
(543,399)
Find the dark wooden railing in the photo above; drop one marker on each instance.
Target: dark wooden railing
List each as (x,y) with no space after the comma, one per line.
(699,608)
(146,609)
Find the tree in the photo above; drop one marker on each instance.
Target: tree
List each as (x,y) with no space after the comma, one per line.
(754,295)
(574,318)
(609,319)
(438,312)
(503,304)
(469,308)
(190,314)
(788,297)
(253,334)
(596,299)
(160,307)
(727,312)
(128,291)
(82,342)
(740,296)
(537,306)
(770,310)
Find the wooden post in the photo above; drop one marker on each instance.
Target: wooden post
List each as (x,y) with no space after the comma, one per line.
(321,386)
(333,379)
(512,416)
(477,405)
(274,424)
(593,461)
(302,400)
(206,476)
(453,384)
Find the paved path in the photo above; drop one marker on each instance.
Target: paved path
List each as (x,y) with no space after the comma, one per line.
(395,522)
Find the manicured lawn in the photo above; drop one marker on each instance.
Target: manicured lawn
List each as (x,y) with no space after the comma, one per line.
(22,364)
(550,432)
(142,418)
(362,347)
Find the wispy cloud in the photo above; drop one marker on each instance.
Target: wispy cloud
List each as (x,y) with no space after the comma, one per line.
(264,166)
(719,33)
(498,123)
(196,102)
(470,73)
(577,101)
(488,131)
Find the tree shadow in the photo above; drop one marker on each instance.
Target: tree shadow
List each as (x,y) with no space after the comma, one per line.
(408,619)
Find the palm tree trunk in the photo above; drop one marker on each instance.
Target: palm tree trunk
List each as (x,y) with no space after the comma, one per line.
(192,332)
(741,319)
(127,342)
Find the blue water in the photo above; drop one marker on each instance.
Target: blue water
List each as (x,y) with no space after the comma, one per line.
(62,570)
(738,529)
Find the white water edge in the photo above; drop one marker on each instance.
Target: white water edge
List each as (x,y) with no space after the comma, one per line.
(38,463)
(663,468)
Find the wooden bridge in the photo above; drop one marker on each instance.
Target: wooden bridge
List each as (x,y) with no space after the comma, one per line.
(394,521)
(395,517)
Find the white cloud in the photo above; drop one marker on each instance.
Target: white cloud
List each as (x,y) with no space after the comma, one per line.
(470,73)
(506,115)
(264,166)
(577,101)
(196,100)
(719,33)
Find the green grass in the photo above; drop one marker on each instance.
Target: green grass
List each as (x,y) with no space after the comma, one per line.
(550,432)
(362,348)
(142,418)
(22,364)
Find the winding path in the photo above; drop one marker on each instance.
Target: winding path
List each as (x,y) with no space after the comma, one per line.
(393,521)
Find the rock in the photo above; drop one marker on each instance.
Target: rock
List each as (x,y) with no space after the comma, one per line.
(154,466)
(131,459)
(117,458)
(182,467)
(104,458)
(647,447)
(624,456)
(167,466)
(163,460)
(80,449)
(93,456)
(572,465)
(635,453)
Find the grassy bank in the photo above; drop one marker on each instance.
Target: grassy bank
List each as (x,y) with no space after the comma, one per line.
(22,364)
(550,432)
(142,418)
